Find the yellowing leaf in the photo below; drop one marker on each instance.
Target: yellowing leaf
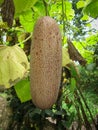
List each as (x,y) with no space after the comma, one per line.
(65,57)
(13,65)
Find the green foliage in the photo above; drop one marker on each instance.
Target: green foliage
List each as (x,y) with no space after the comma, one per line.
(22,89)
(3,25)
(25,20)
(85,18)
(72,85)
(79,22)
(86,47)
(89,85)
(91,8)
(23,6)
(70,104)
(28,12)
(1,1)
(56,10)
(69,11)
(80,4)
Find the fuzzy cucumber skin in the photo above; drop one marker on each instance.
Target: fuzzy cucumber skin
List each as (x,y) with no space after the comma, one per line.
(45,62)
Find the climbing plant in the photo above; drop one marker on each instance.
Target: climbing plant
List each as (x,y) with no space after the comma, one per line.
(77,100)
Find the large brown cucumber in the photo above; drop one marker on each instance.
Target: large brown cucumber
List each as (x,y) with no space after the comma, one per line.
(45,62)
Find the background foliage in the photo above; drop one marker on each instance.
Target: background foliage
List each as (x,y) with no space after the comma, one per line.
(78,97)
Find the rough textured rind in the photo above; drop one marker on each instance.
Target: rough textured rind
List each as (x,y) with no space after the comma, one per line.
(45,63)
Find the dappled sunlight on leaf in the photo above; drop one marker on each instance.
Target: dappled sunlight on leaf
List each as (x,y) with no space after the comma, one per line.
(80,4)
(69,11)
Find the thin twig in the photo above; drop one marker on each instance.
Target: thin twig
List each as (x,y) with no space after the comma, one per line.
(79,90)
(87,124)
(86,105)
(46,7)
(63,15)
(24,40)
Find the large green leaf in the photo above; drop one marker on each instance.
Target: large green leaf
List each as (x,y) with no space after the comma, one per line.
(26,21)
(29,17)
(39,9)
(22,89)
(91,8)
(69,11)
(22,6)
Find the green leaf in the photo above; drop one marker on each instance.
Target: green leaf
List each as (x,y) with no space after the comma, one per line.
(1,1)
(39,9)
(29,17)
(69,11)
(64,105)
(80,4)
(92,39)
(59,112)
(4,95)
(36,111)
(73,71)
(70,120)
(49,112)
(26,21)
(85,17)
(23,6)
(91,8)
(55,9)
(22,89)
(73,85)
